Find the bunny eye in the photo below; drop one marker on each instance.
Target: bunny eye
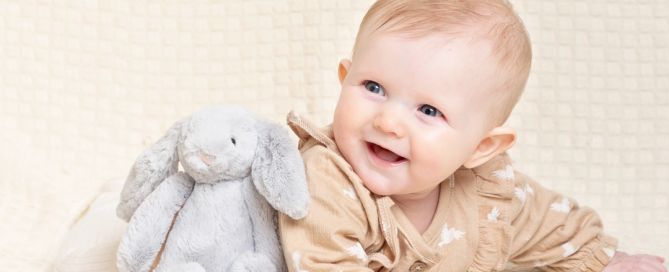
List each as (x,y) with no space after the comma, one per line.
(234,142)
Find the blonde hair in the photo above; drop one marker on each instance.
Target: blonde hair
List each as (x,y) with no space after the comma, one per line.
(489,19)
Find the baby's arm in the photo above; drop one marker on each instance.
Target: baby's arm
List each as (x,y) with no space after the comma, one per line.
(552,231)
(329,237)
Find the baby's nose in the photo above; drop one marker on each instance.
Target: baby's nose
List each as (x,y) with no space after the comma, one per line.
(388,122)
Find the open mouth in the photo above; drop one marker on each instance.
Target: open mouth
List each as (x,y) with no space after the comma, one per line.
(384,154)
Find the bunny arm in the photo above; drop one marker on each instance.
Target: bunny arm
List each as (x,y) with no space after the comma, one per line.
(148,229)
(266,254)
(150,169)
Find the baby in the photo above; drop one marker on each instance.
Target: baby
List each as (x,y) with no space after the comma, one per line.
(412,175)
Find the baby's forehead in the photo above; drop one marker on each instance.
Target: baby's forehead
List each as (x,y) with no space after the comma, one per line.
(470,58)
(469,33)
(451,60)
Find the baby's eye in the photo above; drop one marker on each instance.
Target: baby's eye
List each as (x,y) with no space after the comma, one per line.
(429,110)
(374,87)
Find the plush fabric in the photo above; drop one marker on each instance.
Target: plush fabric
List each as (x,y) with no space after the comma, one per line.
(219,213)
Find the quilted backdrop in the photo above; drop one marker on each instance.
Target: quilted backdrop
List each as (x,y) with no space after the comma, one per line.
(85,85)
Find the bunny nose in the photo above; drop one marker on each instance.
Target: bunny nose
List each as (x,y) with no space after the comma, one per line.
(207,159)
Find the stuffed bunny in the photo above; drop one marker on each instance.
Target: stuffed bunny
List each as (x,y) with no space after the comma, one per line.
(216,215)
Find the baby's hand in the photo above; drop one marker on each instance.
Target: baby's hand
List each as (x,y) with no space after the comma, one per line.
(621,261)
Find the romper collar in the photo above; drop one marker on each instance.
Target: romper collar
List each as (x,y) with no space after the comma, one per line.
(306,130)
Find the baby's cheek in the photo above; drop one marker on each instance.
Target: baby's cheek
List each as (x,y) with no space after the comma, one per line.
(439,162)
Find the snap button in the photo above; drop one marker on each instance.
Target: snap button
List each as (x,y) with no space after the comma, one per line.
(418,266)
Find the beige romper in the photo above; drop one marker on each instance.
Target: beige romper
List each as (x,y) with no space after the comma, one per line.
(489,218)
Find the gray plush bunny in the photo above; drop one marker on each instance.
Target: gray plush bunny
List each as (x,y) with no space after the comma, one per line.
(216,215)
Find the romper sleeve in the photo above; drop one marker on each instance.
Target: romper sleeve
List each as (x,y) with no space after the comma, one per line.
(554,232)
(331,237)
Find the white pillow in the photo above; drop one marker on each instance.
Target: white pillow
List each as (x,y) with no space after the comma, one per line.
(91,243)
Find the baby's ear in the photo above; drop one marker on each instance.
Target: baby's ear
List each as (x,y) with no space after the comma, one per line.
(498,140)
(344,65)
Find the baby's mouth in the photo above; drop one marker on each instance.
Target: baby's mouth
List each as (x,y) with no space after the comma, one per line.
(384,154)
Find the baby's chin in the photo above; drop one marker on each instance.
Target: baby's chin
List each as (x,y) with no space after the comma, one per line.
(377,184)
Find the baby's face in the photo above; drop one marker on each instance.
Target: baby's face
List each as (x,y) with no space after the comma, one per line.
(411,110)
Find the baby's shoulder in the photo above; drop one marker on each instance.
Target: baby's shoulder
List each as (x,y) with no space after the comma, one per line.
(498,180)
(501,173)
(309,134)
(335,188)
(317,156)
(326,167)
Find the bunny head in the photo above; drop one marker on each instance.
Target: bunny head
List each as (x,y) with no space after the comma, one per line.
(219,144)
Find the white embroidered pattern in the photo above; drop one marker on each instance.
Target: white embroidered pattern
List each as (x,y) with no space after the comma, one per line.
(505,174)
(450,235)
(350,193)
(521,193)
(563,207)
(297,258)
(529,189)
(493,215)
(539,263)
(357,251)
(569,249)
(609,252)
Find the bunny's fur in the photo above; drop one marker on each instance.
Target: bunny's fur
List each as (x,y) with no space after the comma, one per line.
(217,215)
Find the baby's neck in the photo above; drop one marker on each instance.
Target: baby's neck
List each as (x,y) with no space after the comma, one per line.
(419,209)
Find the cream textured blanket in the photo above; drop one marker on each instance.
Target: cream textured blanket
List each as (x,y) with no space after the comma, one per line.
(86,85)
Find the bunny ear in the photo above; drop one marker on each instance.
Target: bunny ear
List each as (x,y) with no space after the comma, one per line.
(278,171)
(151,167)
